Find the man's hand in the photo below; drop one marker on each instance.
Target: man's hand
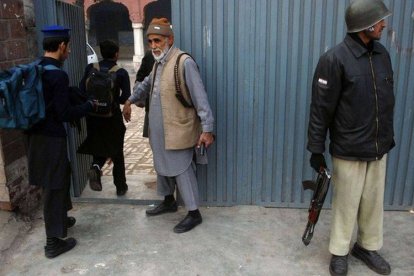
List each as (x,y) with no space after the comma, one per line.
(206,138)
(126,111)
(140,104)
(317,161)
(94,104)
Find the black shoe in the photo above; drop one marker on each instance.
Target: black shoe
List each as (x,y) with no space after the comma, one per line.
(59,246)
(70,221)
(94,175)
(338,265)
(372,259)
(187,224)
(121,190)
(162,208)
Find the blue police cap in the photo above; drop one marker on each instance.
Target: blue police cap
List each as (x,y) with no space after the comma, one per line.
(55,31)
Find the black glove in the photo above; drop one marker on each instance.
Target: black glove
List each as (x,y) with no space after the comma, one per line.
(317,161)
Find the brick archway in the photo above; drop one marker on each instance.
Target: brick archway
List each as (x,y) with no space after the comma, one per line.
(135,15)
(118,28)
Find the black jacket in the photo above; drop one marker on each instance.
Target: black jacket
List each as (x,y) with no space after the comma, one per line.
(352,97)
(57,101)
(105,136)
(145,69)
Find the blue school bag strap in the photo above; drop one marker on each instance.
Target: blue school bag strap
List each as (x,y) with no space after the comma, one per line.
(21,95)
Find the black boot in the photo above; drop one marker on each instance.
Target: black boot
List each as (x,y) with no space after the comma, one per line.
(192,219)
(55,246)
(94,175)
(121,189)
(164,207)
(372,259)
(338,265)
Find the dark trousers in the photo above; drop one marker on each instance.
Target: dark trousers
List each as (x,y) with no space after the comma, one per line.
(118,171)
(56,204)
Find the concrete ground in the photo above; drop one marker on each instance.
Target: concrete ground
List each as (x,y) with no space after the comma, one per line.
(118,239)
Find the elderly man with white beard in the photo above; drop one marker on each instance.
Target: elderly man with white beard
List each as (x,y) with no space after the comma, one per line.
(180,123)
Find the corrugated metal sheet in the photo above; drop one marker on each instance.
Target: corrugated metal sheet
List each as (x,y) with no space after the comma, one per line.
(56,12)
(257,60)
(399,40)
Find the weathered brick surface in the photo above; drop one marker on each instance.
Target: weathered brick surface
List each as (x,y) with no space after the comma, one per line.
(16,49)
(3,55)
(17,46)
(31,43)
(9,135)
(14,151)
(6,205)
(15,172)
(23,196)
(4,192)
(29,15)
(11,9)
(17,30)
(4,30)
(30,29)
(13,144)
(6,64)
(2,178)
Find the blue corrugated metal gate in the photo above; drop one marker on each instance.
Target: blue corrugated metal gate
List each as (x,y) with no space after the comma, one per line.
(257,60)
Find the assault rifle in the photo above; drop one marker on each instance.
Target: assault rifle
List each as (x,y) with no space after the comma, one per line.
(320,188)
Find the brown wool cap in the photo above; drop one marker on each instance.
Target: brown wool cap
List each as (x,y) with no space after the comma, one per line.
(160,26)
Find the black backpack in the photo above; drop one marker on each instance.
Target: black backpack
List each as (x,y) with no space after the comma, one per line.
(101,86)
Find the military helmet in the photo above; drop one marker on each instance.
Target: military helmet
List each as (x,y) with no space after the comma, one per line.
(362,14)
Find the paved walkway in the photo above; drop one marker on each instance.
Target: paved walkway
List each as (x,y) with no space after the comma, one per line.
(137,152)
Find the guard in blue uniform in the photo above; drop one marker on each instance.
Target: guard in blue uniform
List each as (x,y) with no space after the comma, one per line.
(49,165)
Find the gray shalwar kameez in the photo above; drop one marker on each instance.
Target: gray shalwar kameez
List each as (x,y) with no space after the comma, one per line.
(174,166)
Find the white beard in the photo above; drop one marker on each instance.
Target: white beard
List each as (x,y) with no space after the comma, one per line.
(163,53)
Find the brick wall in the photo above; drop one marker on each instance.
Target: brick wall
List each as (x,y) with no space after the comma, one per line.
(17,45)
(12,34)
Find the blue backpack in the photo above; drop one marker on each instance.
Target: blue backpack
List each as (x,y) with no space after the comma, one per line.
(21,95)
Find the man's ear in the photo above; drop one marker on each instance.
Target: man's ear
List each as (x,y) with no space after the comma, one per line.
(62,46)
(171,40)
